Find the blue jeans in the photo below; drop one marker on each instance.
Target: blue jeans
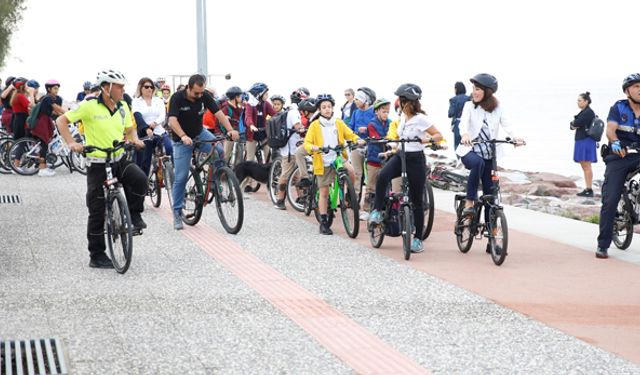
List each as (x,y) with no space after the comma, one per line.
(149,149)
(181,165)
(479,169)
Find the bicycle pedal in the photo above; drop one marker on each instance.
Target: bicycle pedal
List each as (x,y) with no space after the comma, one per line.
(138,232)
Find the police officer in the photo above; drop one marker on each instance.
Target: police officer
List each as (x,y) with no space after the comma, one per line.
(623,128)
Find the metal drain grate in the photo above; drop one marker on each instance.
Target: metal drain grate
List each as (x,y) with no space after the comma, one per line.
(44,356)
(10,199)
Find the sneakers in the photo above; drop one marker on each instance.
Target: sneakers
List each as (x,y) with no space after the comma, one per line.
(416,246)
(375,217)
(177,220)
(325,229)
(305,182)
(586,193)
(280,204)
(136,220)
(364,216)
(602,253)
(100,261)
(46,172)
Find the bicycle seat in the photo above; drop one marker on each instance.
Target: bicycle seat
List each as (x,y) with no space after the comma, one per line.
(460,197)
(487,198)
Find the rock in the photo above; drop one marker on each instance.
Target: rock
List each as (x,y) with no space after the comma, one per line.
(546,189)
(555,179)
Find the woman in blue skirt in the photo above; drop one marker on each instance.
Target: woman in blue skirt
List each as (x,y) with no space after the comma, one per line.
(585,150)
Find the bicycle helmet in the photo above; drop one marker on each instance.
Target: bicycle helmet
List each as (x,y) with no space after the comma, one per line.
(280,98)
(308,105)
(161,79)
(486,81)
(33,84)
(257,89)
(87,85)
(51,83)
(630,80)
(409,91)
(325,98)
(9,80)
(245,97)
(233,92)
(110,76)
(379,103)
(370,93)
(299,94)
(19,82)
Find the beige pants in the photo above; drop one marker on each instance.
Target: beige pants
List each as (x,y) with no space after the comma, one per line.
(288,165)
(357,160)
(228,148)
(372,179)
(301,153)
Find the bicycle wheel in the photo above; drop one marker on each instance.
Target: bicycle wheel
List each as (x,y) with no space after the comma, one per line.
(119,231)
(407,226)
(193,199)
(79,162)
(5,146)
(229,202)
(498,235)
(154,191)
(622,226)
(168,176)
(376,235)
(24,156)
(349,207)
(429,207)
(310,201)
(274,176)
(462,230)
(296,196)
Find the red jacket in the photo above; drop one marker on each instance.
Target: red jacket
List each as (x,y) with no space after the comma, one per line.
(251,118)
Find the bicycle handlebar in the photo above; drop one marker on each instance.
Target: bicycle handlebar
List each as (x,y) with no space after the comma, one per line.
(494,141)
(117,145)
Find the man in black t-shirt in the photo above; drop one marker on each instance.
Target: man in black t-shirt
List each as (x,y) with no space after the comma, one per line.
(186,109)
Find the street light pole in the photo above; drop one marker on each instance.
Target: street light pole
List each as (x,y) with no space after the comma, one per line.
(201,24)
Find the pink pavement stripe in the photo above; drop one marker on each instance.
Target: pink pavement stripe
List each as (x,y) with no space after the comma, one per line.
(363,351)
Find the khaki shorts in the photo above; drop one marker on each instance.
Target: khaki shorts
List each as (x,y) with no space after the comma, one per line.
(327,178)
(288,165)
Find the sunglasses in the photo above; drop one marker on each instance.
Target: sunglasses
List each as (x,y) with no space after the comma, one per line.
(147,87)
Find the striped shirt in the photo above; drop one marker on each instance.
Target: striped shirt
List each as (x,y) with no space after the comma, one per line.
(484,149)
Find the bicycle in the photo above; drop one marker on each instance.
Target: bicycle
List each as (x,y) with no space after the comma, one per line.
(496,229)
(24,155)
(161,174)
(209,178)
(276,170)
(341,193)
(397,213)
(6,141)
(628,210)
(119,230)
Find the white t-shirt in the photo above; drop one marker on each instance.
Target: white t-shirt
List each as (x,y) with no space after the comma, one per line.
(151,113)
(329,138)
(415,127)
(293,117)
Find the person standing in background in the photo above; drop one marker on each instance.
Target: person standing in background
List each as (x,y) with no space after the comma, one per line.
(585,149)
(455,111)
(86,89)
(349,106)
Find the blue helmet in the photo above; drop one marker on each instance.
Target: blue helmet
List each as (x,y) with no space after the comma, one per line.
(87,85)
(33,84)
(258,88)
(630,80)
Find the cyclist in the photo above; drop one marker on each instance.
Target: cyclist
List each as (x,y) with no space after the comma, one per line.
(34,86)
(149,115)
(50,109)
(278,102)
(166,93)
(5,97)
(86,89)
(106,118)
(413,123)
(185,119)
(328,130)
(349,106)
(481,120)
(255,119)
(233,108)
(294,123)
(360,119)
(623,122)
(21,104)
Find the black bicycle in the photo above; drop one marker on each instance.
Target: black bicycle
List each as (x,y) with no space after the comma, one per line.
(119,230)
(210,178)
(161,174)
(495,228)
(397,213)
(628,210)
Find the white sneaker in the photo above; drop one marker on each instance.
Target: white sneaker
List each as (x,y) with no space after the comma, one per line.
(46,172)
(364,216)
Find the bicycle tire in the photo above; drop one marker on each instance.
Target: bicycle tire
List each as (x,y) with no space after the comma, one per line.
(296,196)
(274,176)
(429,207)
(119,231)
(376,235)
(349,203)
(622,226)
(78,162)
(311,197)
(462,230)
(498,235)
(168,179)
(154,191)
(28,166)
(193,198)
(5,146)
(227,192)
(407,226)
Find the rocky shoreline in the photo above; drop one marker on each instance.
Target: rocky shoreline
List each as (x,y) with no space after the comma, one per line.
(539,191)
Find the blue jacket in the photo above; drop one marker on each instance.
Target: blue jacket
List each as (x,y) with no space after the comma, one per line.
(455,107)
(628,125)
(376,129)
(360,118)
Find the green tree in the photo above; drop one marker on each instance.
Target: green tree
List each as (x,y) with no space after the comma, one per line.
(10,15)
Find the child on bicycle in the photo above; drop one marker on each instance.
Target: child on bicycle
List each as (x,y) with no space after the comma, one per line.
(327,131)
(414,123)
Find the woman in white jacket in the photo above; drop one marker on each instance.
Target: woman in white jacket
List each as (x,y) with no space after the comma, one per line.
(481,121)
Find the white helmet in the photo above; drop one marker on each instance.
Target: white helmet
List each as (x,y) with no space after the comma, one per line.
(111,76)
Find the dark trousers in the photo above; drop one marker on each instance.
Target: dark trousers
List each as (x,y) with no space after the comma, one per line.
(149,149)
(134,182)
(479,169)
(455,128)
(614,178)
(416,173)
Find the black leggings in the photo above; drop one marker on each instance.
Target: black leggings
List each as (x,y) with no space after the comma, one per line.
(417,174)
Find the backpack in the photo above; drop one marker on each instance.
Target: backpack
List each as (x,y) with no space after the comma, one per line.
(32,119)
(277,131)
(596,129)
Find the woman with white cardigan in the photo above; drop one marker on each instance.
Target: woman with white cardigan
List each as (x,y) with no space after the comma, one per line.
(481,120)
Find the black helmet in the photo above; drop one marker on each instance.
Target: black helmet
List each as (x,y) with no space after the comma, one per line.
(308,105)
(370,93)
(299,94)
(630,80)
(325,98)
(257,89)
(233,91)
(409,91)
(9,80)
(280,98)
(486,81)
